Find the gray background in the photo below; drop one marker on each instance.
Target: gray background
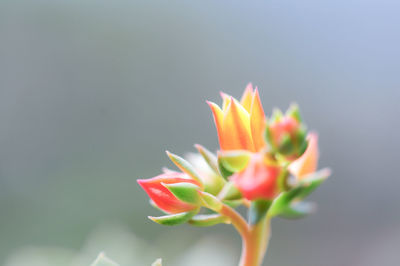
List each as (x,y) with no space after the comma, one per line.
(93,92)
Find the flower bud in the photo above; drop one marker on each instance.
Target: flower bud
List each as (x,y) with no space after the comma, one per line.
(163,198)
(286,134)
(259,180)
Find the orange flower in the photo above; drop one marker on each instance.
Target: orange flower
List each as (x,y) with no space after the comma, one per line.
(307,163)
(240,125)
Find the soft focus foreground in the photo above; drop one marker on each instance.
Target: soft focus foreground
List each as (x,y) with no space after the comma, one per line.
(91,92)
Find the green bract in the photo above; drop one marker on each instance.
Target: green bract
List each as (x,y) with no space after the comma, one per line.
(204,220)
(209,157)
(234,161)
(288,203)
(184,166)
(174,219)
(186,192)
(210,201)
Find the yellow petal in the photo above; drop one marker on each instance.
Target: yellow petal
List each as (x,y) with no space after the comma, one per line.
(236,128)
(218,119)
(247,97)
(257,122)
(307,163)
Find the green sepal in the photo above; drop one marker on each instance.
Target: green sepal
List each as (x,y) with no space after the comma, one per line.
(299,192)
(301,140)
(211,202)
(184,166)
(233,203)
(209,157)
(286,146)
(258,209)
(234,161)
(186,192)
(225,173)
(158,262)
(268,138)
(298,210)
(276,115)
(230,192)
(174,219)
(283,179)
(294,112)
(103,260)
(283,201)
(312,182)
(204,220)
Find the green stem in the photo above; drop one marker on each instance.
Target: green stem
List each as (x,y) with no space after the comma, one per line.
(255,245)
(255,238)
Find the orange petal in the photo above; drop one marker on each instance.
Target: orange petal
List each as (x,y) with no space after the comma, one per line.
(307,163)
(236,128)
(226,100)
(247,97)
(218,119)
(257,121)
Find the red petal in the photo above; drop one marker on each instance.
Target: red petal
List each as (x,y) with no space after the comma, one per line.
(161,196)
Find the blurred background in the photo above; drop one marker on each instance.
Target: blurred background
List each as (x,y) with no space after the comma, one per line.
(93,92)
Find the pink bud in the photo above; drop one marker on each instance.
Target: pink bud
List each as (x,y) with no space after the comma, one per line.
(259,179)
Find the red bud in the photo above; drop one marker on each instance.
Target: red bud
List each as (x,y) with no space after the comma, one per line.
(259,180)
(162,197)
(287,125)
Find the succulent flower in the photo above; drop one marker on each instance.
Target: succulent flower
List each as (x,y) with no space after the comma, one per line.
(251,168)
(240,125)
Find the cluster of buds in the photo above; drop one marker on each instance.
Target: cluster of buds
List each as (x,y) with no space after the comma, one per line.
(266,164)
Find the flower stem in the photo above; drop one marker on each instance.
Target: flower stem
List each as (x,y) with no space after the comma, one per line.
(255,245)
(237,220)
(255,238)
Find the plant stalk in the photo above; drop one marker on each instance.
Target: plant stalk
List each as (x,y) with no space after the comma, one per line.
(255,245)
(255,238)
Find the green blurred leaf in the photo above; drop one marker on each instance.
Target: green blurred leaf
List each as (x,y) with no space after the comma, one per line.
(186,192)
(158,262)
(276,115)
(174,219)
(230,192)
(103,260)
(210,201)
(258,209)
(184,166)
(294,112)
(285,201)
(286,146)
(225,173)
(204,220)
(234,161)
(233,203)
(298,210)
(209,157)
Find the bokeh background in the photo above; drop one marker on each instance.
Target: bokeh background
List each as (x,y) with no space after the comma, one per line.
(93,92)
